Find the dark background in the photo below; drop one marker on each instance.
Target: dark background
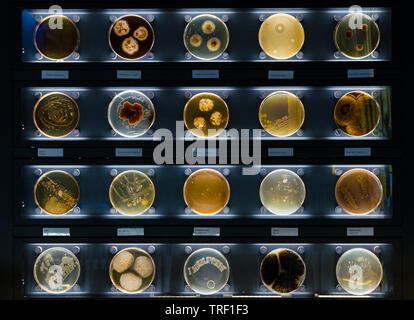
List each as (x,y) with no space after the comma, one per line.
(395,72)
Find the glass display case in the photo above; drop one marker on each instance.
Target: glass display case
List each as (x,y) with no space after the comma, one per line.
(210,35)
(186,192)
(209,269)
(308,100)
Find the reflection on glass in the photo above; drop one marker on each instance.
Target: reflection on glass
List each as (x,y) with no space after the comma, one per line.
(56,115)
(206,37)
(56,192)
(132,270)
(206,115)
(281,36)
(282,192)
(131,37)
(56,270)
(357,35)
(283,270)
(359,271)
(206,191)
(55,41)
(206,271)
(358,191)
(131,113)
(132,193)
(281,114)
(357,113)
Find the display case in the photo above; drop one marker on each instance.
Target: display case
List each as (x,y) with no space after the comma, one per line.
(223,268)
(176,152)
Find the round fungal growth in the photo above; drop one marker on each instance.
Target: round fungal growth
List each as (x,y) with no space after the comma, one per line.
(206,37)
(281,114)
(141,33)
(206,115)
(132,270)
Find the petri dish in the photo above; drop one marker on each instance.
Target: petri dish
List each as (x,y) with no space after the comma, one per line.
(206,191)
(206,271)
(358,191)
(282,271)
(56,115)
(56,270)
(131,37)
(132,193)
(131,113)
(359,271)
(206,115)
(281,114)
(282,192)
(206,37)
(357,114)
(132,270)
(281,36)
(55,41)
(56,192)
(356,35)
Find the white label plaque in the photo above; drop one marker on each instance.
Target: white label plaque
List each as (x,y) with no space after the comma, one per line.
(366,231)
(280,152)
(56,232)
(206,74)
(128,152)
(206,231)
(280,74)
(128,232)
(50,152)
(357,152)
(285,232)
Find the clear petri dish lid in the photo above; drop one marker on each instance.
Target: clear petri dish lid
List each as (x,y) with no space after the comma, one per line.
(56,115)
(132,193)
(206,115)
(206,191)
(206,271)
(281,114)
(281,36)
(56,192)
(358,191)
(359,271)
(283,271)
(56,270)
(206,37)
(56,37)
(131,37)
(131,113)
(132,270)
(356,35)
(282,192)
